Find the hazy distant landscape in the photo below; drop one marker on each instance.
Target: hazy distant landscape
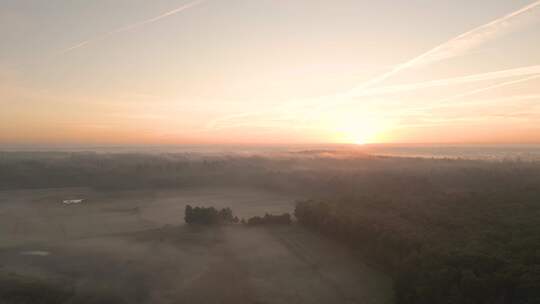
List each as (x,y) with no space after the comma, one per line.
(127,242)
(369,229)
(132,247)
(525,152)
(270,152)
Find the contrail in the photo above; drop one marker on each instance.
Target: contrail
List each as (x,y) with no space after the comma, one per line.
(491,87)
(134,25)
(451,48)
(448,49)
(445,102)
(527,73)
(424,110)
(509,73)
(454,46)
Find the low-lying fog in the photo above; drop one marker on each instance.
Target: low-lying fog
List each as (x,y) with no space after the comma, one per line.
(41,215)
(126,241)
(132,246)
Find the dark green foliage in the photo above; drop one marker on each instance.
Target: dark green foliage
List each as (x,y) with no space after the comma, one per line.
(451,231)
(481,248)
(208,216)
(17,289)
(268,219)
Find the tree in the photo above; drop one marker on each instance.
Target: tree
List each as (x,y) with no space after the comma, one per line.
(188,214)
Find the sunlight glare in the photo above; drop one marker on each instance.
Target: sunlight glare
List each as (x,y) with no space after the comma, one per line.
(360,130)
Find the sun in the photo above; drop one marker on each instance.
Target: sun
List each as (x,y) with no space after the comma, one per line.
(360,141)
(359,131)
(358,135)
(361,137)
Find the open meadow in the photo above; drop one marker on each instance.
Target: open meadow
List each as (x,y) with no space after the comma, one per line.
(133,247)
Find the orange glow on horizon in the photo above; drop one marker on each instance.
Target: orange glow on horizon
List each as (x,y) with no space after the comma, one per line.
(148,74)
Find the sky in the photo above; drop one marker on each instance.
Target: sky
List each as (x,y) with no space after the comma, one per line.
(269,71)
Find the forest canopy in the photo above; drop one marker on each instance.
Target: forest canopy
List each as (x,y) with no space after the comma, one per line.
(448,230)
(209,215)
(460,248)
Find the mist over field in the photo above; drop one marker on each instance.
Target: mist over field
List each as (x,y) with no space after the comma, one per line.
(366,229)
(128,243)
(270,152)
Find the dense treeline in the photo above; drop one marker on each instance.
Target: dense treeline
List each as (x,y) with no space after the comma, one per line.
(314,174)
(213,216)
(451,231)
(137,171)
(209,215)
(269,219)
(474,247)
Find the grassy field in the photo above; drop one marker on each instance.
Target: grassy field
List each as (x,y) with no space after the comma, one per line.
(133,247)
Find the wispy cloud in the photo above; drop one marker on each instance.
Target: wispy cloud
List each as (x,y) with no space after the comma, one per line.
(454,100)
(133,26)
(509,73)
(487,88)
(455,46)
(287,111)
(515,99)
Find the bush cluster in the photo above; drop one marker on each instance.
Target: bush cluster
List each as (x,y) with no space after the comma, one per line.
(268,219)
(209,215)
(467,254)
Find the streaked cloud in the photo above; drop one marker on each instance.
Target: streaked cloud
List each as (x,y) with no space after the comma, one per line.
(288,110)
(523,71)
(309,109)
(487,88)
(258,70)
(456,46)
(133,26)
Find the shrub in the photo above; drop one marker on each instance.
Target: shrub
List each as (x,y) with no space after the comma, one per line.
(208,215)
(268,219)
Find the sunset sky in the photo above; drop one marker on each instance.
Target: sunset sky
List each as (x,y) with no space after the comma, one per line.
(269,71)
